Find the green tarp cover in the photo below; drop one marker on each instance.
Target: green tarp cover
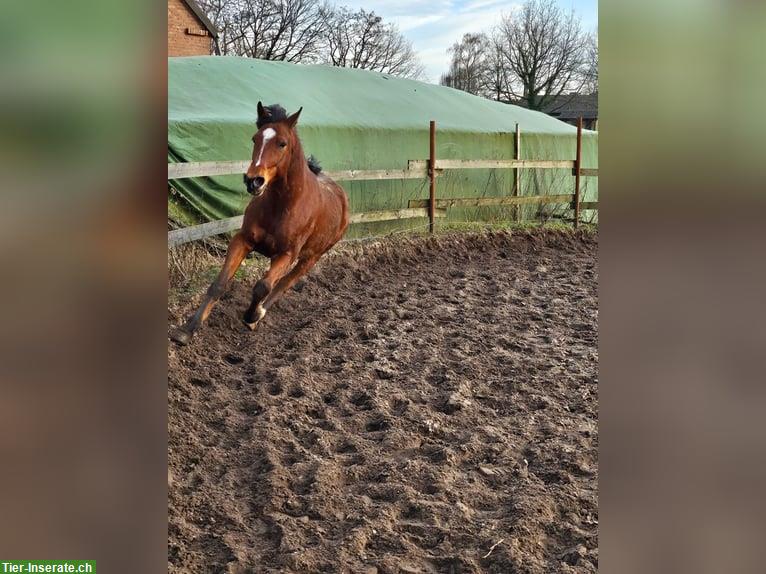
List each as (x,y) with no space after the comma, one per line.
(357,119)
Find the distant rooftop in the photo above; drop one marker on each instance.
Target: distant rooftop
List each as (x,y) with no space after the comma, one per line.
(571,106)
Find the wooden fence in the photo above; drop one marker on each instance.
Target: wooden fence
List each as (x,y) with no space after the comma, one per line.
(432,207)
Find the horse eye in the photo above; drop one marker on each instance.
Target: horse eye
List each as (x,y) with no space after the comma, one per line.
(282,144)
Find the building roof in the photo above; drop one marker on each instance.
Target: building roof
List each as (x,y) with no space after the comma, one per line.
(571,106)
(200,13)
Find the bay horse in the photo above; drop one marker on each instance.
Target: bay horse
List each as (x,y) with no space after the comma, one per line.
(295,216)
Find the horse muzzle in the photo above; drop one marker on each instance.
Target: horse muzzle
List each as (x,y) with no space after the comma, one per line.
(256,185)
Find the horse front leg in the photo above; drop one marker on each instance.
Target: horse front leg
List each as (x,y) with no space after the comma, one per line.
(280,265)
(238,249)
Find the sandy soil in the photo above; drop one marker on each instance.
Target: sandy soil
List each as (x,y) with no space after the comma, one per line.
(419,405)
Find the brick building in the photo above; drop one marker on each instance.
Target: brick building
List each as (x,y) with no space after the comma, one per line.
(190,31)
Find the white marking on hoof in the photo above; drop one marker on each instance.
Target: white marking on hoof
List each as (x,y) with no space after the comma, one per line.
(260,312)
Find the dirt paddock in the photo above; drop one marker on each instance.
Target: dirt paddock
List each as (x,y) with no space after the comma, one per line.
(417,405)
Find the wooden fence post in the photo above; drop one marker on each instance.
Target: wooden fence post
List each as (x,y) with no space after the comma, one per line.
(516,173)
(578,160)
(432,176)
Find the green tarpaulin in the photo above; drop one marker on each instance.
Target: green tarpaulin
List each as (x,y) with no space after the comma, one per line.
(356,119)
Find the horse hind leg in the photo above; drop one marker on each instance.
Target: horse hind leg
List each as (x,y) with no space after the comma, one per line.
(280,265)
(302,267)
(236,253)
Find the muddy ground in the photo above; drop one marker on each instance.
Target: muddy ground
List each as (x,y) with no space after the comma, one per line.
(418,405)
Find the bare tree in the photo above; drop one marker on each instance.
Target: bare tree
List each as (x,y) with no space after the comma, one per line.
(311,31)
(494,73)
(290,30)
(469,65)
(543,51)
(362,40)
(591,64)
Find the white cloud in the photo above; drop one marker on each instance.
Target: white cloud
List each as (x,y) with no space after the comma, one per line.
(483,4)
(391,8)
(432,41)
(406,23)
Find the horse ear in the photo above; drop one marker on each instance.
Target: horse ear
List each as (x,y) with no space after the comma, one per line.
(293,119)
(261,110)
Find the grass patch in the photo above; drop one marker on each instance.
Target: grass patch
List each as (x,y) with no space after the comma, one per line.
(193,266)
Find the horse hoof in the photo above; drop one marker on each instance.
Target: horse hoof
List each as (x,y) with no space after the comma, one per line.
(180,336)
(257,315)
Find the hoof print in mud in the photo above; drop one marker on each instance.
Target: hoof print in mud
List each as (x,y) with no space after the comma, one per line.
(342,417)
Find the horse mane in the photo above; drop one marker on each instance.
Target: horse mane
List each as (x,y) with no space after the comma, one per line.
(273,114)
(276,113)
(314,165)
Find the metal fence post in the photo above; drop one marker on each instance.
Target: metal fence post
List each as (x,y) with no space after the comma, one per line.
(516,172)
(432,176)
(578,160)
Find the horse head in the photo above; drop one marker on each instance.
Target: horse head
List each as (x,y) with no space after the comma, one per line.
(273,146)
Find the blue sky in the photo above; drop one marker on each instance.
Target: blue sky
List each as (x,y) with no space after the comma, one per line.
(434,25)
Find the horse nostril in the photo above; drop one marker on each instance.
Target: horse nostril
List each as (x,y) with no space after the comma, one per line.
(249,183)
(253,183)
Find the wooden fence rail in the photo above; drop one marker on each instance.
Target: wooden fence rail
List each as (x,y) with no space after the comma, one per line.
(210,168)
(442,164)
(416,169)
(483,201)
(196,232)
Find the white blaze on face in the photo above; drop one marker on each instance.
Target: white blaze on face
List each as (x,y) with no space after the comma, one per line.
(268,133)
